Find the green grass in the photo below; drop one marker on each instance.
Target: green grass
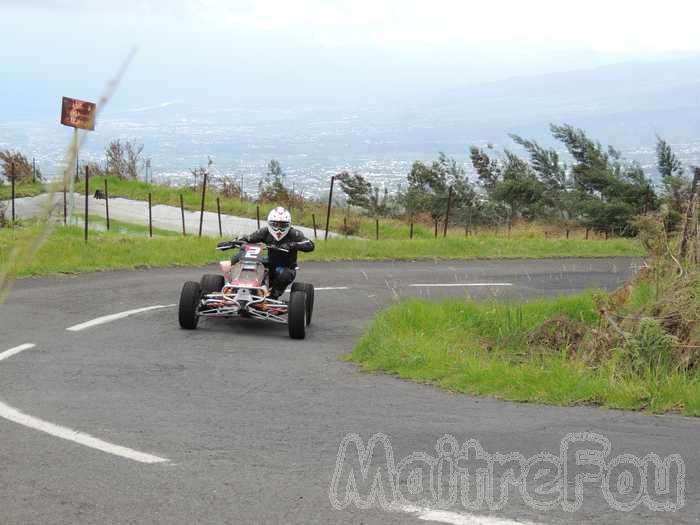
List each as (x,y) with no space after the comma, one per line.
(99,224)
(481,246)
(24,189)
(128,246)
(482,349)
(66,252)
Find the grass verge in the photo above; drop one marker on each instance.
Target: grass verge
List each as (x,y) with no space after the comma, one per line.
(128,246)
(478,246)
(65,251)
(485,349)
(23,189)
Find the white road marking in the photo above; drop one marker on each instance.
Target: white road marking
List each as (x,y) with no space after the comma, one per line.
(16,350)
(437,285)
(11,414)
(456,518)
(325,288)
(114,317)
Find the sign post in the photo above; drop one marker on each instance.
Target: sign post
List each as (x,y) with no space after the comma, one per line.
(77,114)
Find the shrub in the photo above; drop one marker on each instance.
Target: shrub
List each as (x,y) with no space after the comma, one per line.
(649,349)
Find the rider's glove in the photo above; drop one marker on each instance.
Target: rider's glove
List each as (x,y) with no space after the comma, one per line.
(223,244)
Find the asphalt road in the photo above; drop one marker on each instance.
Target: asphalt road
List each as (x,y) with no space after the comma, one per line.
(251,422)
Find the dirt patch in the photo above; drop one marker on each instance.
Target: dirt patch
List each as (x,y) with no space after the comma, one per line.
(557,333)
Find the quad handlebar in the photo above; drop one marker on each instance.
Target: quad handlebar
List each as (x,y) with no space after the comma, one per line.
(227,245)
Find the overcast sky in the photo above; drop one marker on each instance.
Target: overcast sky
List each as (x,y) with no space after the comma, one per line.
(292,52)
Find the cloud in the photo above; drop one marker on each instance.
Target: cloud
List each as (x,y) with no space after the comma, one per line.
(602,25)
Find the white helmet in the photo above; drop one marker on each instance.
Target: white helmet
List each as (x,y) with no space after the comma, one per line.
(279,222)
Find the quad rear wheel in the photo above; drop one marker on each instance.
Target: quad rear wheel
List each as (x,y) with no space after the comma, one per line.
(307,288)
(211,283)
(190,297)
(296,315)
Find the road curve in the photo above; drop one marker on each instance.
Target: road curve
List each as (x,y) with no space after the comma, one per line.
(251,421)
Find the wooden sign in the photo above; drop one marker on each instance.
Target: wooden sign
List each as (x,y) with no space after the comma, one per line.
(78,113)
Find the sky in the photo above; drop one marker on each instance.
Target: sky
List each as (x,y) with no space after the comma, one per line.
(601,25)
(280,53)
(325,59)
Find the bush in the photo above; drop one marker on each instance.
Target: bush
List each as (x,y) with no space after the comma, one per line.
(650,349)
(351,226)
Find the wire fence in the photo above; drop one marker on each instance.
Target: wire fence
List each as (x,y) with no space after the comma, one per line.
(405,227)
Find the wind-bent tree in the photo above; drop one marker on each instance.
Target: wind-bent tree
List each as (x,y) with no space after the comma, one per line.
(676,184)
(357,188)
(428,188)
(23,169)
(609,192)
(273,187)
(123,159)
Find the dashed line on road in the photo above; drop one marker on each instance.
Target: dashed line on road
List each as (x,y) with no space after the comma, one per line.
(455,518)
(453,285)
(14,415)
(16,350)
(115,317)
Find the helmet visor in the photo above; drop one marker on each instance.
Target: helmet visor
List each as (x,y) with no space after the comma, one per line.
(279,225)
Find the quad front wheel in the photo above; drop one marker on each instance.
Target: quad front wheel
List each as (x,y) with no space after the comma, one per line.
(190,297)
(308,288)
(296,315)
(211,283)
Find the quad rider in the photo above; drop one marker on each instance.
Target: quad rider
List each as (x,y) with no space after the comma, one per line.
(279,233)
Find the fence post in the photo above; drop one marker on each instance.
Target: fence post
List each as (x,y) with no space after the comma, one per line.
(313,219)
(377,228)
(12,172)
(410,231)
(87,193)
(218,212)
(345,226)
(107,204)
(150,217)
(447,212)
(65,207)
(328,211)
(182,213)
(201,209)
(257,215)
(436,227)
(587,230)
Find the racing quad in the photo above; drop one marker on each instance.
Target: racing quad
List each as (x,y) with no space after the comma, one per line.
(243,291)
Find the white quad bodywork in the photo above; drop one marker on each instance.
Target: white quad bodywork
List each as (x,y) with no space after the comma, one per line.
(245,292)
